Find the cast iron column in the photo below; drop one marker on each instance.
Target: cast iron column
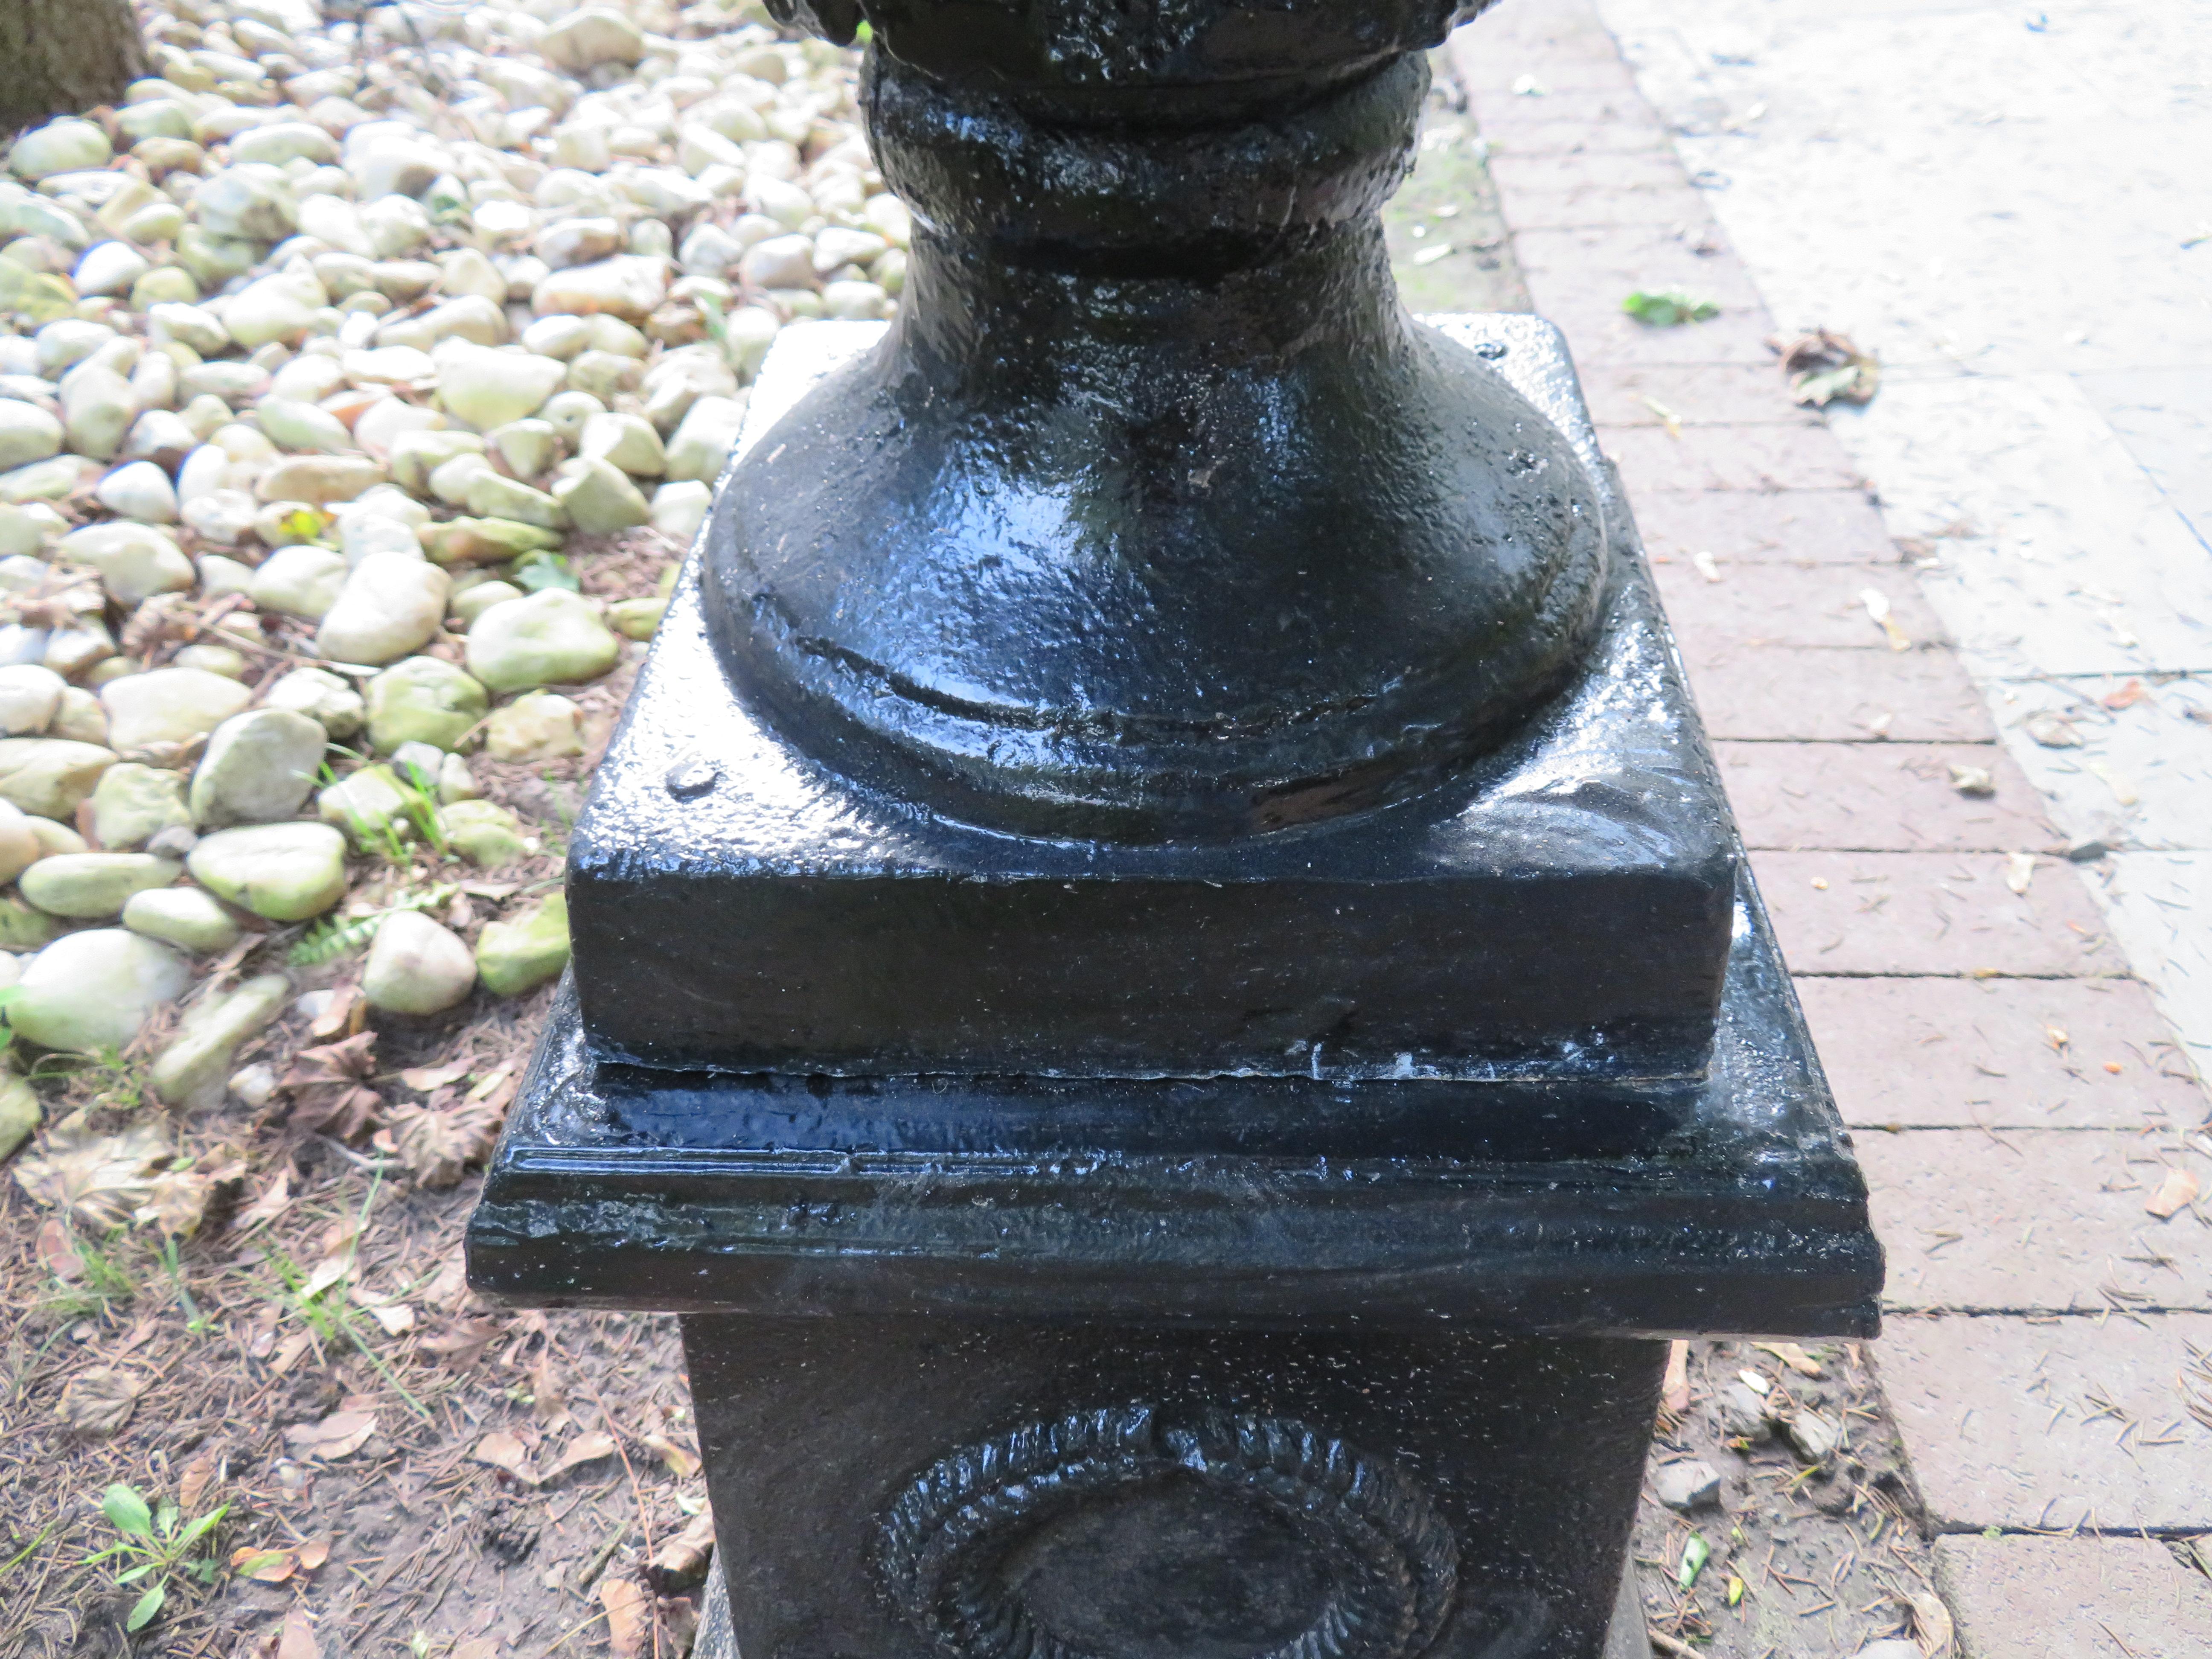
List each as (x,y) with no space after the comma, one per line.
(1161,970)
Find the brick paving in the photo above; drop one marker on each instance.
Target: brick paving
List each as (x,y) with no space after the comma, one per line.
(2016,1094)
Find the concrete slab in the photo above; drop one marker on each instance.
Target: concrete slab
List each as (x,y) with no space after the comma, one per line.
(2164,416)
(2160,908)
(1774,693)
(2036,1220)
(1931,913)
(2066,1598)
(2000,1053)
(2054,1423)
(2055,551)
(2137,777)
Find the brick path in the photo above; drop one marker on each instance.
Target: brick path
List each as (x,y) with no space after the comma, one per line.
(2016,1095)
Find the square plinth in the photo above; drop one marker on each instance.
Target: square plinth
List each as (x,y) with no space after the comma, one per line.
(1730,1203)
(1559,912)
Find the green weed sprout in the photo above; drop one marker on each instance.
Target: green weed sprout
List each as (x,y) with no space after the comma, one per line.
(159,1546)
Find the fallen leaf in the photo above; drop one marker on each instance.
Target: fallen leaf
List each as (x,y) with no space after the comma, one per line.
(2020,871)
(501,1450)
(264,1566)
(629,1616)
(290,1350)
(339,1013)
(2054,732)
(272,1201)
(1792,1356)
(192,1485)
(328,1088)
(1932,1623)
(338,1266)
(1674,1389)
(100,1400)
(1973,780)
(587,1448)
(2123,791)
(1825,367)
(1877,606)
(463,1341)
(1669,308)
(428,1079)
(298,1640)
(314,1553)
(99,1180)
(682,1462)
(681,1561)
(2126,697)
(1707,566)
(395,1318)
(2055,1035)
(339,1435)
(57,1255)
(2175,1193)
(438,1145)
(177,1201)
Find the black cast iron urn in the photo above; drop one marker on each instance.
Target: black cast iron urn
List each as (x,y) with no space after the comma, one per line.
(1161,970)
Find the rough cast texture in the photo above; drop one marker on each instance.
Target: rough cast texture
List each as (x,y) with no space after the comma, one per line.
(65,56)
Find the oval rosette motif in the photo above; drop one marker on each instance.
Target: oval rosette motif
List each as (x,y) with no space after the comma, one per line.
(958,1547)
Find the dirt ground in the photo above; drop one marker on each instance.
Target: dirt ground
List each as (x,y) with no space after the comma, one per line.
(398,1469)
(1802,1558)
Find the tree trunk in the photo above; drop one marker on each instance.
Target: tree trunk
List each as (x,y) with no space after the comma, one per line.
(64,56)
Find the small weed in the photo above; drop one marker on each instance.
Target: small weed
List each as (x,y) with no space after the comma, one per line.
(337,936)
(330,1315)
(158,1545)
(104,1281)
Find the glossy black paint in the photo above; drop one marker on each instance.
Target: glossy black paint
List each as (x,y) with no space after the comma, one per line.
(1154,517)
(1160,967)
(746,898)
(1524,1457)
(1233,1205)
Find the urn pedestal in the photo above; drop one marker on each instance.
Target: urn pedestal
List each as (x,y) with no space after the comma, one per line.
(1161,971)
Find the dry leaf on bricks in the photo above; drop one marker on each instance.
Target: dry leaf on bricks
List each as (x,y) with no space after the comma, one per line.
(2175,1193)
(100,1400)
(99,1180)
(329,1087)
(629,1616)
